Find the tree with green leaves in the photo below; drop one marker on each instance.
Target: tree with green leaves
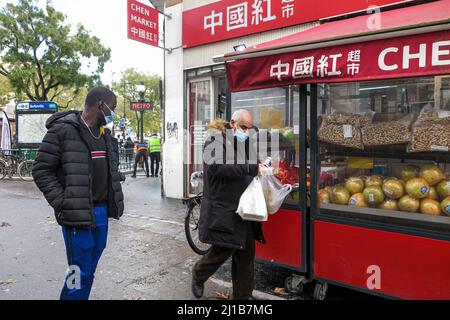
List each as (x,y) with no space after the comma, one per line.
(6,91)
(42,56)
(71,99)
(125,88)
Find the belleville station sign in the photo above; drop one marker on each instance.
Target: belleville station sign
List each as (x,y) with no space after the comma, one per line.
(143,24)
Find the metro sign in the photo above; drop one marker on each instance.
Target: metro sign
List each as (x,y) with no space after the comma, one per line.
(141,106)
(143,24)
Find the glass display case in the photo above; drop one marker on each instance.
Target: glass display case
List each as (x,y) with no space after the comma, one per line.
(383,151)
(277,110)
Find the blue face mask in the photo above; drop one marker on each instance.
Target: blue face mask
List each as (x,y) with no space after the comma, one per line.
(241,136)
(111,117)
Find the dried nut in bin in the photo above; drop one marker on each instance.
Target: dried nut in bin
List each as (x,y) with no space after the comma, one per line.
(354,119)
(430,132)
(334,134)
(389,133)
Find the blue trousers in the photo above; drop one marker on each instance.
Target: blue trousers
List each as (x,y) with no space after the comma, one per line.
(84,247)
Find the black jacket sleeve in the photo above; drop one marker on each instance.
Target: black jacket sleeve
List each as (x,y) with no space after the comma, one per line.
(45,169)
(232,171)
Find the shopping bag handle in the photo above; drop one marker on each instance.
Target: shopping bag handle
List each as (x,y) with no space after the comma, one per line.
(287,187)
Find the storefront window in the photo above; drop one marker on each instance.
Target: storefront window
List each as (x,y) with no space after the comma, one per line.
(277,109)
(384,150)
(200,115)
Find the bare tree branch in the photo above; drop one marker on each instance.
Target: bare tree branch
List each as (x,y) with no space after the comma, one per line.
(52,86)
(3,71)
(57,94)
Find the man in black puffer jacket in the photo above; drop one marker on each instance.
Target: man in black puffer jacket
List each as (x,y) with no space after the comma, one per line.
(76,169)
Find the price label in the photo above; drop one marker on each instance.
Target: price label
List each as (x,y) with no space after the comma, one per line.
(348,131)
(444,114)
(439,148)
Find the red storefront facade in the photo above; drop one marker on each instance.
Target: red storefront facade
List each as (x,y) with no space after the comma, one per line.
(385,76)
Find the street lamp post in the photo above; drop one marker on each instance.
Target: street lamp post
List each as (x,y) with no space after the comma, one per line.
(124,105)
(141,89)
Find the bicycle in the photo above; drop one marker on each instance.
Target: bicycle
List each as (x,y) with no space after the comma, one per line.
(11,163)
(192,217)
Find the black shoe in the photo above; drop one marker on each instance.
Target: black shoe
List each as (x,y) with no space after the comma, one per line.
(197,288)
(156,176)
(133,176)
(152,176)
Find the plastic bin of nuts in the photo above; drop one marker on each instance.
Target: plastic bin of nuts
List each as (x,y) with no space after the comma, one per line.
(388,132)
(344,129)
(431,132)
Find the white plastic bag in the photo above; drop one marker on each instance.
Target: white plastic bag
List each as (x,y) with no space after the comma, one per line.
(274,191)
(252,205)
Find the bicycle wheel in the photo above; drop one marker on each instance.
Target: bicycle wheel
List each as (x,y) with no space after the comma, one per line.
(191,229)
(25,170)
(3,169)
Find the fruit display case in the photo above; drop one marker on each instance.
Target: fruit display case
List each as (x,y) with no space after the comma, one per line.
(378,111)
(379,207)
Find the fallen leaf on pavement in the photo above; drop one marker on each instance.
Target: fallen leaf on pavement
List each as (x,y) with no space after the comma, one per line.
(222,296)
(9,281)
(280,291)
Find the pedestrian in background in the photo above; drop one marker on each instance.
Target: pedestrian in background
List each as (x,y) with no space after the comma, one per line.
(155,154)
(129,150)
(225,180)
(77,170)
(141,154)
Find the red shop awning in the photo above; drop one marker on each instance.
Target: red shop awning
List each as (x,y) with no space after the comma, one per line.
(407,42)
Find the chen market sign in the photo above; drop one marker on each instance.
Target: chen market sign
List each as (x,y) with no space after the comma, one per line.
(410,56)
(228,19)
(143,23)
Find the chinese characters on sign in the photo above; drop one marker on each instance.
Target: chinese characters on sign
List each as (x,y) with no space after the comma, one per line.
(326,66)
(246,13)
(228,19)
(381,59)
(143,23)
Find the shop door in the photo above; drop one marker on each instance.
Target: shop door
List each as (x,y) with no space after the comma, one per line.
(201,112)
(282,110)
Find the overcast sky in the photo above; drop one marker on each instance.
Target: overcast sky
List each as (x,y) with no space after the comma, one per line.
(107,20)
